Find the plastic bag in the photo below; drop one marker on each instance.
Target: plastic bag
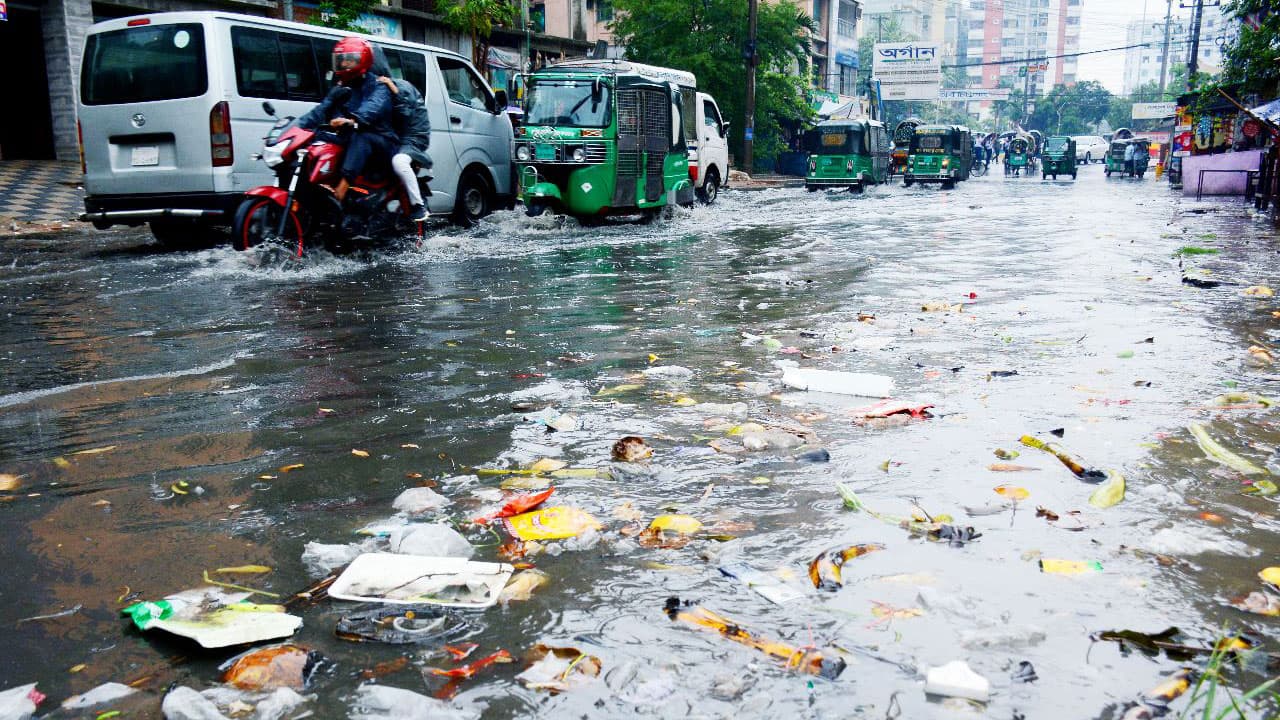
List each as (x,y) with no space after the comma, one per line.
(183,703)
(379,702)
(19,703)
(430,540)
(419,500)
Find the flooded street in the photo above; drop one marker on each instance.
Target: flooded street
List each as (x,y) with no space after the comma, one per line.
(151,399)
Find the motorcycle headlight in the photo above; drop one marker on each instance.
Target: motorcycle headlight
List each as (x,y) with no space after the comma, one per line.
(273,155)
(579,155)
(522,153)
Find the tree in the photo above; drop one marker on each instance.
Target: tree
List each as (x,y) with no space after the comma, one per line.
(709,39)
(477,19)
(342,14)
(1071,109)
(1253,60)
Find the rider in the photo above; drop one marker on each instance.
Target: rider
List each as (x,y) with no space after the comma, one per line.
(365,111)
(414,128)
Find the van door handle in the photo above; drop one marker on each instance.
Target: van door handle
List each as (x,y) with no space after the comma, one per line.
(455,119)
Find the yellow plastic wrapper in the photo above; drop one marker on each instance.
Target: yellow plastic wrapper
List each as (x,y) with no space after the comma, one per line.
(683,524)
(553,523)
(1069,567)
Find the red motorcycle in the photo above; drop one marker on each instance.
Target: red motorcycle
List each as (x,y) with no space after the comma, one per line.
(301,210)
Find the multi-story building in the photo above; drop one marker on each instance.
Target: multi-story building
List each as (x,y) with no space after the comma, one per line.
(833,62)
(1142,64)
(48,39)
(1007,30)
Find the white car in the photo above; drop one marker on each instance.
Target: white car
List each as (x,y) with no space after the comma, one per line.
(1091,148)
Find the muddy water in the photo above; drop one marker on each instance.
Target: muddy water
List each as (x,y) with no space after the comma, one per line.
(205,368)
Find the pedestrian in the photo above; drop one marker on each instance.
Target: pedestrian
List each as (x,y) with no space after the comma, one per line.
(1128,158)
(413,125)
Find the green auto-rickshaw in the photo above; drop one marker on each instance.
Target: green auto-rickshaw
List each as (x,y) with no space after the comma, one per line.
(1058,158)
(939,154)
(1018,156)
(902,144)
(847,153)
(1137,166)
(603,138)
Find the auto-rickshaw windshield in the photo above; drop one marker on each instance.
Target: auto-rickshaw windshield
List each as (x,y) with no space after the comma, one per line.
(1056,144)
(568,103)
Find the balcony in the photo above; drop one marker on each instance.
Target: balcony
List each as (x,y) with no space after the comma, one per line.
(847,28)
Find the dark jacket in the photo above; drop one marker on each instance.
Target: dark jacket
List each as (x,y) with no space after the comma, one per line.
(410,120)
(369,103)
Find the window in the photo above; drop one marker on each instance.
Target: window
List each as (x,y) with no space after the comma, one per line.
(408,65)
(271,64)
(604,10)
(710,116)
(463,86)
(141,64)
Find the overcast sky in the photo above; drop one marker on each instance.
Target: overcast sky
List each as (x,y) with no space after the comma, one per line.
(1102,25)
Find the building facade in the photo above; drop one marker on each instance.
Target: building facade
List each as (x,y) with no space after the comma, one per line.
(833,61)
(1000,31)
(1218,31)
(48,36)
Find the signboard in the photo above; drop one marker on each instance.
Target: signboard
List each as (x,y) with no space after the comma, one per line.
(1042,67)
(907,71)
(974,94)
(1251,128)
(1154,111)
(847,57)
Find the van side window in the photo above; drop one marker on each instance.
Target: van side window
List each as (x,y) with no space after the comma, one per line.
(710,117)
(462,85)
(269,64)
(408,65)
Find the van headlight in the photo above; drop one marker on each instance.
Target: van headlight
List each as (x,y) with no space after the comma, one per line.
(579,155)
(273,155)
(522,153)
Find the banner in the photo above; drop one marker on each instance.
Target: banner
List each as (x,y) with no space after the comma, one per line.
(907,71)
(974,94)
(1154,111)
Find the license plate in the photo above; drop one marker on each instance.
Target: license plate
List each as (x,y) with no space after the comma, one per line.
(545,152)
(145,155)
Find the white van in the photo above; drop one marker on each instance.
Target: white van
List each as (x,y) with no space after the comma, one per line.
(709,149)
(171,116)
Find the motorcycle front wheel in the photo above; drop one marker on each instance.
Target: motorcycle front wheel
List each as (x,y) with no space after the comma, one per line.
(257,220)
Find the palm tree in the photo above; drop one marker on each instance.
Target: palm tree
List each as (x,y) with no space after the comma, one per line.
(477,18)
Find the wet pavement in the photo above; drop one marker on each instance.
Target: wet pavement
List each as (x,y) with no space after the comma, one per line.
(152,397)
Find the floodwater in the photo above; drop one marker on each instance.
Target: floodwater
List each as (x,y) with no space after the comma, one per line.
(127,370)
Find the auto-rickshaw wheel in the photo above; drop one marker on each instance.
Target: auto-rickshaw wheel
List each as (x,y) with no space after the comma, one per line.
(1140,174)
(906,182)
(1073,174)
(856,188)
(811,188)
(949,185)
(535,209)
(1108,171)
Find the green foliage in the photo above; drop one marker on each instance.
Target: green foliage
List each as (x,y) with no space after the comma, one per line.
(1071,109)
(709,39)
(1253,61)
(1211,687)
(342,14)
(476,19)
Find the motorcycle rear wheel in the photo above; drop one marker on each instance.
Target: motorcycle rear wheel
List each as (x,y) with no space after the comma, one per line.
(257,220)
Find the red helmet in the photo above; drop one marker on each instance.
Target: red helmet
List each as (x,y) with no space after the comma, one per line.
(352,58)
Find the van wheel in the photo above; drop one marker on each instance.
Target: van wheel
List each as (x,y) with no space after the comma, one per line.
(473,200)
(1088,158)
(257,220)
(710,189)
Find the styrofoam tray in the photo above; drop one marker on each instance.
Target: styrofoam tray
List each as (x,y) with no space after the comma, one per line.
(415,579)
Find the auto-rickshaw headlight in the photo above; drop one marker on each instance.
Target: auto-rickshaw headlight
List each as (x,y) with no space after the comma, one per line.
(579,155)
(946,163)
(522,153)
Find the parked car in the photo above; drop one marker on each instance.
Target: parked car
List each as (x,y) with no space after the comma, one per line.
(1091,148)
(171,116)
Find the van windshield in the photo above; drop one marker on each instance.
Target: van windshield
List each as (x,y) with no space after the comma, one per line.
(144,63)
(567,103)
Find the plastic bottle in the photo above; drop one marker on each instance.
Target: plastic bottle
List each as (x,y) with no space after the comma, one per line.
(840,383)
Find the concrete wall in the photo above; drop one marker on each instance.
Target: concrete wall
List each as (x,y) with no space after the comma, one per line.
(1218,183)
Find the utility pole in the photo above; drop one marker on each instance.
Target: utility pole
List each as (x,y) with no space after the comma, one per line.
(1193,63)
(879,28)
(1026,88)
(1164,56)
(749,131)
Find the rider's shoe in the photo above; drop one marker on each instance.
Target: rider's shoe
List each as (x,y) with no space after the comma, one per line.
(418,213)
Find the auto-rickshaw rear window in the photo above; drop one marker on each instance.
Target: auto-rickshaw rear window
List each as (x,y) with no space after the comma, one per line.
(143,64)
(836,141)
(929,142)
